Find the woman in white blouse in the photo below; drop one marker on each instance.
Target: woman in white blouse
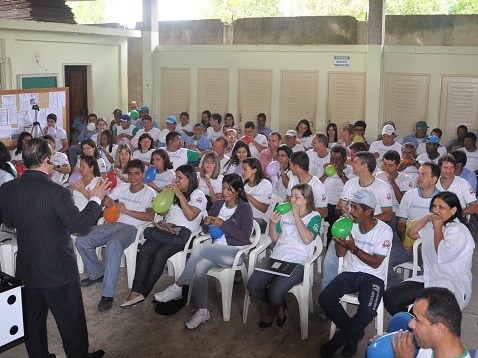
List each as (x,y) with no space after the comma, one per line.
(210,179)
(90,176)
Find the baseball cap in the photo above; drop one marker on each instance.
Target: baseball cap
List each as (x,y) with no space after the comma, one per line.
(432,139)
(171,119)
(421,125)
(388,129)
(144,109)
(117,111)
(365,197)
(291,133)
(125,118)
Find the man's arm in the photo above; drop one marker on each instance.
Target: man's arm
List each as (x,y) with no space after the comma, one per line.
(373,261)
(386,215)
(470,209)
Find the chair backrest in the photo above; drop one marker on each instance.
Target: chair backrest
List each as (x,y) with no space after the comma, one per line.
(417,243)
(385,262)
(256,234)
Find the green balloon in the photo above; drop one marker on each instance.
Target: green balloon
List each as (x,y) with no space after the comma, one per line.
(342,227)
(163,201)
(284,208)
(329,170)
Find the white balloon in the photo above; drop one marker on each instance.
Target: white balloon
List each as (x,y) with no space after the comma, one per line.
(91,127)
(51,131)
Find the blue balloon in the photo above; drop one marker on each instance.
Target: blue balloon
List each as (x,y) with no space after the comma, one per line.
(215,231)
(149,175)
(100,151)
(381,347)
(400,321)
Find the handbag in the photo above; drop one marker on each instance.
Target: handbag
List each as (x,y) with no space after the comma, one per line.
(167,233)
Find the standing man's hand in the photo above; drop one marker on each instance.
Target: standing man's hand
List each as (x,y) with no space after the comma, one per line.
(100,189)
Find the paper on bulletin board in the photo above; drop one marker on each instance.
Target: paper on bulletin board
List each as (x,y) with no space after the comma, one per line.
(52,99)
(24,119)
(61,99)
(3,117)
(9,100)
(28,100)
(5,132)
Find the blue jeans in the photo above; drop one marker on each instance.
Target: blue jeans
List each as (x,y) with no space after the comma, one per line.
(203,258)
(370,291)
(331,266)
(117,237)
(272,289)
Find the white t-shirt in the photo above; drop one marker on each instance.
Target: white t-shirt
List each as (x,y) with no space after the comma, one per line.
(139,201)
(450,267)
(224,214)
(153,132)
(180,157)
(381,149)
(212,135)
(145,157)
(188,127)
(278,186)
(428,353)
(316,163)
(101,164)
(334,185)
(461,188)
(131,130)
(404,183)
(79,199)
(223,162)
(5,176)
(176,216)
(376,241)
(59,158)
(164,178)
(112,153)
(262,192)
(320,197)
(412,172)
(290,246)
(306,141)
(471,159)
(16,157)
(215,183)
(60,134)
(422,158)
(414,205)
(422,149)
(262,140)
(379,188)
(298,148)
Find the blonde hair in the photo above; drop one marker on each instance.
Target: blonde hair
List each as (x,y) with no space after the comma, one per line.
(118,151)
(217,166)
(308,194)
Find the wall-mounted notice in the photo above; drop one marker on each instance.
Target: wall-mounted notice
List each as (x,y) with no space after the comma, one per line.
(341,61)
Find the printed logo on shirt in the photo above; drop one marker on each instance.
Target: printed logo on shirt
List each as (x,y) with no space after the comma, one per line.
(199,200)
(389,196)
(471,191)
(386,243)
(324,198)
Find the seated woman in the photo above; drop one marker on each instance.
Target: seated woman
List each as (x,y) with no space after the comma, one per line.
(90,176)
(164,170)
(107,148)
(258,191)
(170,235)
(240,152)
(17,152)
(210,179)
(145,148)
(122,158)
(89,147)
(280,181)
(7,171)
(61,165)
(447,252)
(293,234)
(304,133)
(332,134)
(234,216)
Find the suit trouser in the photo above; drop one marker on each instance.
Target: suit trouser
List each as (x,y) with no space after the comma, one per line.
(66,305)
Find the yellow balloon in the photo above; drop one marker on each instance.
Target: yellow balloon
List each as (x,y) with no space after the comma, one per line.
(408,240)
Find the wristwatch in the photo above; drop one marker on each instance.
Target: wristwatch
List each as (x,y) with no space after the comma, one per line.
(341,175)
(355,251)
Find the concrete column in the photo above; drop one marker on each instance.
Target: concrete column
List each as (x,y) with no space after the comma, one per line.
(150,35)
(375,77)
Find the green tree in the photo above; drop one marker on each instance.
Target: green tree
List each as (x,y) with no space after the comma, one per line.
(355,8)
(230,10)
(88,12)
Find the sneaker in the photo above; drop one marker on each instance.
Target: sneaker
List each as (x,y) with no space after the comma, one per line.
(350,348)
(105,304)
(86,282)
(198,319)
(329,348)
(168,294)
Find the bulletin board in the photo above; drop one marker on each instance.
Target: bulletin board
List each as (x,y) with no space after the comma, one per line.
(17,115)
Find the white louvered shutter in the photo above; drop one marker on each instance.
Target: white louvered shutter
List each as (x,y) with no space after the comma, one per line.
(213,91)
(254,95)
(175,92)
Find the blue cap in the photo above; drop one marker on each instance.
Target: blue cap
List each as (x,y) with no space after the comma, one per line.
(432,139)
(144,109)
(125,118)
(171,119)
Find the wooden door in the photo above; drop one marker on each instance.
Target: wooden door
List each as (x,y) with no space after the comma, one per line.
(76,80)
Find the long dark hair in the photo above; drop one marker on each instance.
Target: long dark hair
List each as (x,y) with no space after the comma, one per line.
(190,173)
(308,132)
(287,150)
(109,136)
(235,182)
(92,144)
(453,202)
(92,163)
(5,157)
(163,154)
(20,139)
(254,163)
(334,126)
(141,137)
(234,160)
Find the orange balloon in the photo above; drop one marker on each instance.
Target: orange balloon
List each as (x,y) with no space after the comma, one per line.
(111,214)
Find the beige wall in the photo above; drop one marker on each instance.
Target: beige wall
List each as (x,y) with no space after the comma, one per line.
(104,50)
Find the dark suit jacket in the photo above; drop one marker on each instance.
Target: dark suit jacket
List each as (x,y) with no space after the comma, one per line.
(44,215)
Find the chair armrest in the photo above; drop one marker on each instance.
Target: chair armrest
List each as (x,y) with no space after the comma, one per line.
(194,235)
(417,243)
(201,239)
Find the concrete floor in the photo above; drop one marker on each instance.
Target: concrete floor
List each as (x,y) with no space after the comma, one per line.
(140,332)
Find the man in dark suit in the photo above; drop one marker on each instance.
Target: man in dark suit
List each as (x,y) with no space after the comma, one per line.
(44,215)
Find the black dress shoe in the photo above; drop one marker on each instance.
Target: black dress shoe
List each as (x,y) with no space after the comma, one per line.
(263,324)
(350,348)
(329,348)
(88,282)
(105,304)
(280,322)
(98,354)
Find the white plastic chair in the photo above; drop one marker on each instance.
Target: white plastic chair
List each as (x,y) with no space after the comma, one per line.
(130,252)
(225,275)
(352,298)
(275,199)
(302,291)
(79,260)
(411,268)
(324,228)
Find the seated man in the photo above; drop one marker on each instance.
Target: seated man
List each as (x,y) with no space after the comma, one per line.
(148,128)
(257,142)
(408,164)
(432,143)
(177,153)
(437,132)
(461,170)
(134,201)
(198,141)
(471,151)
(319,154)
(380,147)
(364,272)
(261,125)
(291,141)
(436,327)
(214,131)
(421,128)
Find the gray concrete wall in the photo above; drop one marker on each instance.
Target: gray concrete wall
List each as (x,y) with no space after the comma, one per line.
(193,32)
(135,70)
